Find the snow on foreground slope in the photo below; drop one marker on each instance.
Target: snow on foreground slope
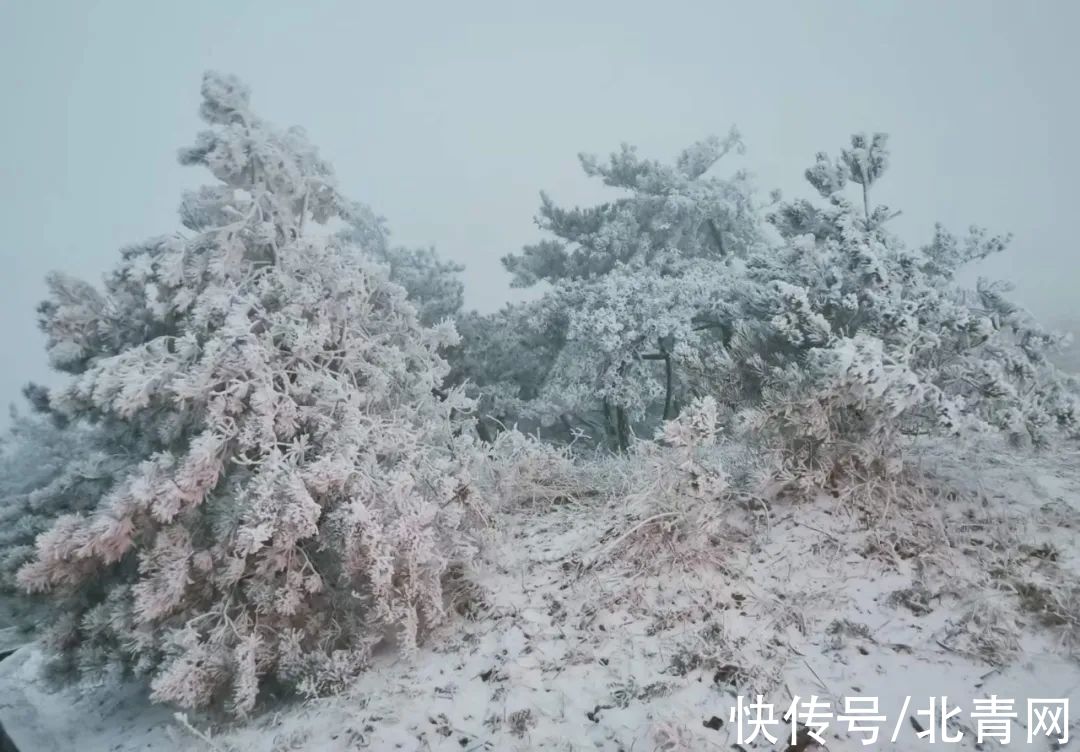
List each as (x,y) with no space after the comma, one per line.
(590,630)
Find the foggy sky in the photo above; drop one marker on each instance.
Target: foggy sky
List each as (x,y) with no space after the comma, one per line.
(449,118)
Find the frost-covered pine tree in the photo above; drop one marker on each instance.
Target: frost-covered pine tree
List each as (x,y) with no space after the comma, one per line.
(48,467)
(296,491)
(846,340)
(503,362)
(433,284)
(635,281)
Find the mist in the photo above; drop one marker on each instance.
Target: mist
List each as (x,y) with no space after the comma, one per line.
(449,119)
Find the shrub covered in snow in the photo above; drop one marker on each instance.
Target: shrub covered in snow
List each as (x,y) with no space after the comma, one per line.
(293,489)
(845,340)
(524,470)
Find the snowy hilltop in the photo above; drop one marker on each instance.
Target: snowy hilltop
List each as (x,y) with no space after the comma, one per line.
(735,454)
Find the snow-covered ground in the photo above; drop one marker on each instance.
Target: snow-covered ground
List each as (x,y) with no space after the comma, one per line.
(587,626)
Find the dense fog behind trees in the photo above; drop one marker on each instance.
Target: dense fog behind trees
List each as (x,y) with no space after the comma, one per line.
(450,121)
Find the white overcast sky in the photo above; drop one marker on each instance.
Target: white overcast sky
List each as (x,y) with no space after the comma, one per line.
(450,117)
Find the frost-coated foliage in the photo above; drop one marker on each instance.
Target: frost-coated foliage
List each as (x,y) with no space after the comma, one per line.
(635,281)
(831,341)
(671,213)
(1068,357)
(675,495)
(257,471)
(296,491)
(846,339)
(503,360)
(433,284)
(524,470)
(47,469)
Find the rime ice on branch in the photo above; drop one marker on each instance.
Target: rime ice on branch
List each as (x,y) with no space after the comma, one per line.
(635,282)
(848,340)
(296,490)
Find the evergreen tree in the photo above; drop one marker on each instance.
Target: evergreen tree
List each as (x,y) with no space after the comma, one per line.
(48,468)
(433,285)
(293,491)
(846,340)
(635,281)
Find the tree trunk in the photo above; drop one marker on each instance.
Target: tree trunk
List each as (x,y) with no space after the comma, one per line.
(623,427)
(717,237)
(609,425)
(668,413)
(483,431)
